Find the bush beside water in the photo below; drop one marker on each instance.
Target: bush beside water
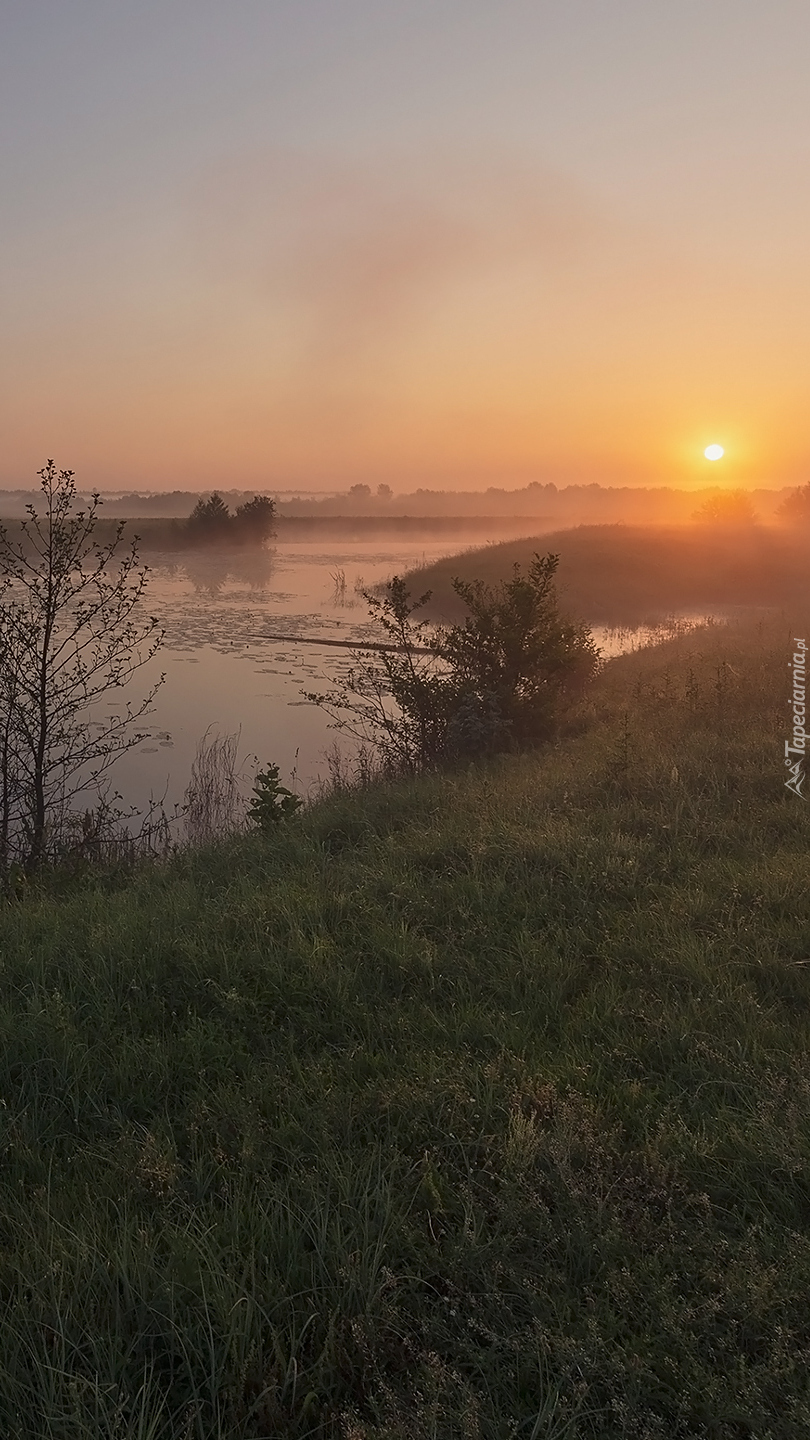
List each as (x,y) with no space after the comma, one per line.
(475,1106)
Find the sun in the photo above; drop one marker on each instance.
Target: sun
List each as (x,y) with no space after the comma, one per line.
(714,452)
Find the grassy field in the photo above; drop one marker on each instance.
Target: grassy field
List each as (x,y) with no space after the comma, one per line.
(632,574)
(472,1109)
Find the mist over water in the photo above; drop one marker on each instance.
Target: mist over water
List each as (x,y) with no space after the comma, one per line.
(225,674)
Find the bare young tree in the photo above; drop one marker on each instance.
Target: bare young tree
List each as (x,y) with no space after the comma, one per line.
(72,632)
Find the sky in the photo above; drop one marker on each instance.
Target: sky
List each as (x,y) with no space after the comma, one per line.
(422,242)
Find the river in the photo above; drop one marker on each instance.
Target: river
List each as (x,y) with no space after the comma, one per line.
(225,676)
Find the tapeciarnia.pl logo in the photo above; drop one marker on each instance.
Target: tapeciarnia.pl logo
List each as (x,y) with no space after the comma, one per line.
(798,746)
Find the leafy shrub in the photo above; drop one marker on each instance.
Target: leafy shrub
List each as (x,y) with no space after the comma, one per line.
(495,682)
(272,802)
(514,654)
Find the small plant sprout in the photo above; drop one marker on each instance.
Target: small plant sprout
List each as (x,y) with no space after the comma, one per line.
(271,802)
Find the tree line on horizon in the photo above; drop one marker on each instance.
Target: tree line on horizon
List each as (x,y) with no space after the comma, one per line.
(561,505)
(736,507)
(211,522)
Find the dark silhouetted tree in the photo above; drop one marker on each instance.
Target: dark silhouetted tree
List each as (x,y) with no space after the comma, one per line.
(254,522)
(211,523)
(72,632)
(210,520)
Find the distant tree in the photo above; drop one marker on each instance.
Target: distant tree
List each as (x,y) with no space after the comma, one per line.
(72,633)
(727,507)
(254,521)
(795,508)
(384,492)
(209,520)
(359,492)
(211,523)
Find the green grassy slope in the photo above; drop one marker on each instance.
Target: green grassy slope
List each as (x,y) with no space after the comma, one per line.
(629,574)
(473,1108)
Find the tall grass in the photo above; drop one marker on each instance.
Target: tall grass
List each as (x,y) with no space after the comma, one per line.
(214,803)
(472,1107)
(639,574)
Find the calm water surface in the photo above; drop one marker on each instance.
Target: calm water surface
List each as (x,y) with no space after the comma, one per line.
(223,673)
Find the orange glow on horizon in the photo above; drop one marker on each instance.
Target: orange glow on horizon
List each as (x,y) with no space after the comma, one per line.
(473,356)
(241,255)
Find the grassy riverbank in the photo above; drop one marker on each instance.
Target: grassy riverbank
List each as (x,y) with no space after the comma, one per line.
(632,574)
(476,1107)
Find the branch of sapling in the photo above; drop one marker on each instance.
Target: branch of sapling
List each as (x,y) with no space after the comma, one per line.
(68,641)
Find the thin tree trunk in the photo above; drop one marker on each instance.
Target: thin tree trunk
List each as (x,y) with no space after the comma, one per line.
(5,797)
